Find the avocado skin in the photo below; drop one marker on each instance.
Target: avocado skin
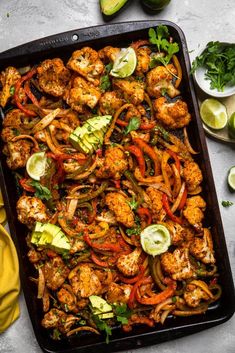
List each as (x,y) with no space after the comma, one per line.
(109,15)
(154,5)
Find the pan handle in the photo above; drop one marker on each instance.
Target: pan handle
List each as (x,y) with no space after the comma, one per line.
(73,37)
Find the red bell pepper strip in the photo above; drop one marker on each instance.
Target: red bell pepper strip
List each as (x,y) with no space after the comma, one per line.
(136,151)
(143,126)
(134,289)
(122,122)
(183,200)
(117,183)
(97,261)
(143,211)
(150,152)
(17,89)
(24,183)
(168,210)
(100,246)
(160,297)
(30,94)
(133,279)
(176,158)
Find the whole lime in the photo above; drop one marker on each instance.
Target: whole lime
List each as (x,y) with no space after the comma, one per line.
(155,5)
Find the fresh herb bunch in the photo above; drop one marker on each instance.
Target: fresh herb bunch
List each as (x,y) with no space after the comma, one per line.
(226,203)
(219,61)
(161,37)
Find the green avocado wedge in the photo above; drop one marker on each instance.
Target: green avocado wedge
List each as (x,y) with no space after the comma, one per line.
(111,7)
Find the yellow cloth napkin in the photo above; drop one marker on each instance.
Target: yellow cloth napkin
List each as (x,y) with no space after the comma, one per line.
(9,281)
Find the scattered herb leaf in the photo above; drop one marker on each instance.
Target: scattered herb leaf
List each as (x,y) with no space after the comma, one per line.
(133,231)
(133,203)
(133,125)
(42,192)
(226,203)
(102,326)
(122,313)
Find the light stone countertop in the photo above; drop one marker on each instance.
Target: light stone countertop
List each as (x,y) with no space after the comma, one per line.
(202,21)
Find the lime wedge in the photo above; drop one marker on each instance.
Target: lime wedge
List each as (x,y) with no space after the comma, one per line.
(1,200)
(36,165)
(155,239)
(231,178)
(231,126)
(125,63)
(213,113)
(3,215)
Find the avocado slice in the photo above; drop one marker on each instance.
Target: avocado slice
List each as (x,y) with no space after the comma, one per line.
(99,305)
(111,7)
(106,315)
(60,242)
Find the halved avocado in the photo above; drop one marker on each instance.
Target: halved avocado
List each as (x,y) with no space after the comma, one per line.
(155,5)
(111,7)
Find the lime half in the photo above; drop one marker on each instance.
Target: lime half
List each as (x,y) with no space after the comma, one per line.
(231,126)
(155,239)
(125,63)
(231,178)
(36,165)
(214,113)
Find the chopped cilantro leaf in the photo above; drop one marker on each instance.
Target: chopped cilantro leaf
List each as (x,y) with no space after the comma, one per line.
(133,125)
(226,203)
(42,192)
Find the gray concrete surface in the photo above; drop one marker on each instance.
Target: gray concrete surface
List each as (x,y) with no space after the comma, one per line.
(201,21)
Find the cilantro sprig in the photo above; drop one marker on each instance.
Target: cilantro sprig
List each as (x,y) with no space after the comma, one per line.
(42,192)
(219,62)
(161,38)
(133,125)
(105,82)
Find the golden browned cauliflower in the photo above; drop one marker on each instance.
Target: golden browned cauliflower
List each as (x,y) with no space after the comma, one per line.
(173,115)
(176,232)
(67,298)
(53,77)
(193,211)
(56,318)
(194,294)
(118,293)
(84,281)
(108,53)
(114,164)
(143,61)
(192,175)
(82,95)
(109,103)
(177,264)
(8,78)
(159,79)
(131,91)
(31,210)
(129,264)
(86,62)
(202,248)
(118,204)
(17,153)
(55,272)
(156,203)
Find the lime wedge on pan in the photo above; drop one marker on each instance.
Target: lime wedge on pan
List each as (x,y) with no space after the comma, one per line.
(231,178)
(214,113)
(125,63)
(155,239)
(36,165)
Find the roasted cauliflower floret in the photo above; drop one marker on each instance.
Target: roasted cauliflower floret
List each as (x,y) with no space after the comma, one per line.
(131,91)
(129,264)
(202,248)
(177,264)
(67,298)
(118,293)
(86,62)
(108,53)
(56,318)
(160,78)
(17,153)
(173,115)
(143,61)
(192,175)
(55,272)
(193,211)
(114,164)
(8,78)
(84,281)
(194,294)
(31,210)
(82,95)
(118,204)
(53,77)
(109,103)
(156,203)
(176,232)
